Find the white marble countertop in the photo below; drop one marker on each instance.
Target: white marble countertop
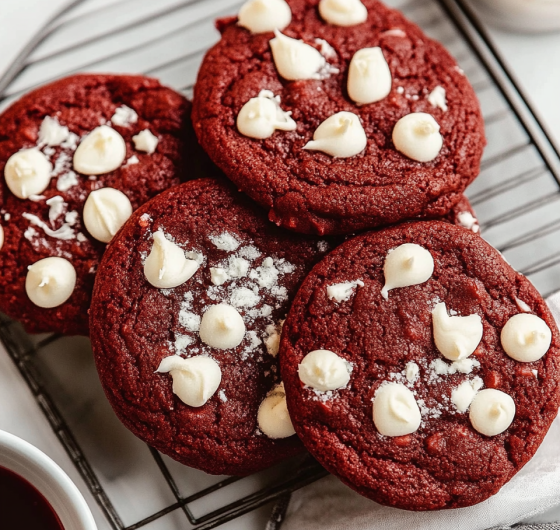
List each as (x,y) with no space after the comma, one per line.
(531,58)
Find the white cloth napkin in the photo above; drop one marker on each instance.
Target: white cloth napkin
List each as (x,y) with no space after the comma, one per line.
(330,505)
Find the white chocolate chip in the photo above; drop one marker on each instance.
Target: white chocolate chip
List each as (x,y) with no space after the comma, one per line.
(218,275)
(27,172)
(467,220)
(273,416)
(412,371)
(50,282)
(417,136)
(456,337)
(341,292)
(324,370)
(522,305)
(51,133)
(406,265)
(105,211)
(272,339)
(124,116)
(343,12)
(262,16)
(492,412)
(146,141)
(225,241)
(261,116)
(437,99)
(340,136)
(294,59)
(166,266)
(101,151)
(526,338)
(463,395)
(195,380)
(369,77)
(222,327)
(395,411)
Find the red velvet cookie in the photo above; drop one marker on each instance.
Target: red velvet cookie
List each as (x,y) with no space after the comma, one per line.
(226,315)
(429,395)
(303,148)
(142,137)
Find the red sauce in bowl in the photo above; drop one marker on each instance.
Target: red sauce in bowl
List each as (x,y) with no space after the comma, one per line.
(22,507)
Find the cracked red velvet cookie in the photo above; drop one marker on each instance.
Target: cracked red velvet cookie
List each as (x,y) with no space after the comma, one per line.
(77,156)
(185,323)
(345,117)
(419,367)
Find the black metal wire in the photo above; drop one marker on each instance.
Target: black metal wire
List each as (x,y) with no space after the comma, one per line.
(23,352)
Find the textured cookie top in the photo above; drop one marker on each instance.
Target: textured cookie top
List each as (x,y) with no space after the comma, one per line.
(421,407)
(308,190)
(44,130)
(245,263)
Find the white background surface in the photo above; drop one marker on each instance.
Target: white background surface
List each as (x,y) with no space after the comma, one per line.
(533,60)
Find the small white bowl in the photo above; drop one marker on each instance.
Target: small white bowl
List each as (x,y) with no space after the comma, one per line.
(528,16)
(48,478)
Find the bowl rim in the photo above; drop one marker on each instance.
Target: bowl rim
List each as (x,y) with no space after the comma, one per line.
(49,479)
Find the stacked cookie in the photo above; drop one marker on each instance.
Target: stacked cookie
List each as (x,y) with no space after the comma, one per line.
(411,361)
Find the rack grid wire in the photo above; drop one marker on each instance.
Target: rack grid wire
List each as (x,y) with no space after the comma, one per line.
(516,197)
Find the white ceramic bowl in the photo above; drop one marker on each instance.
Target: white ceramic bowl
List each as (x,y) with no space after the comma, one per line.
(48,478)
(530,16)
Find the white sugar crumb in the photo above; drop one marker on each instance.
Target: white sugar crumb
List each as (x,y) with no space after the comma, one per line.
(243,297)
(225,241)
(181,342)
(30,233)
(412,371)
(266,310)
(281,293)
(254,341)
(238,267)
(62,163)
(326,50)
(522,306)
(132,160)
(71,142)
(322,246)
(468,221)
(196,256)
(218,276)
(51,133)
(124,116)
(7,217)
(81,237)
(66,181)
(285,267)
(464,366)
(400,90)
(437,99)
(463,395)
(222,396)
(56,207)
(535,373)
(145,217)
(250,252)
(189,320)
(71,218)
(341,292)
(266,277)
(64,233)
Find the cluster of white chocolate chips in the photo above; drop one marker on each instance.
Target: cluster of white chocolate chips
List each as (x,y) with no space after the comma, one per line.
(51,281)
(396,412)
(221,326)
(342,135)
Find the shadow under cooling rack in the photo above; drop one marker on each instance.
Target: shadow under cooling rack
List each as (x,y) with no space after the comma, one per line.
(516,197)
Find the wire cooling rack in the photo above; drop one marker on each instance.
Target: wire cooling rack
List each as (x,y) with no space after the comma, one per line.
(517,198)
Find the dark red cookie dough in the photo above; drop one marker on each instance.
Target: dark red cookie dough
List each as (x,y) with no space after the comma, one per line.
(134,326)
(311,192)
(446,463)
(82,103)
